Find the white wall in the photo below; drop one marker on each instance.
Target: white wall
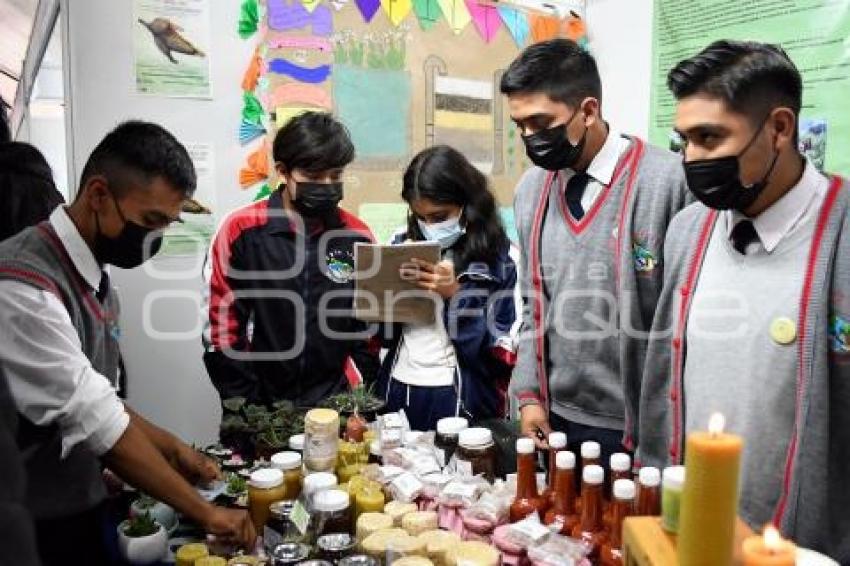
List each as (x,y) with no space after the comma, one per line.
(167,381)
(620,34)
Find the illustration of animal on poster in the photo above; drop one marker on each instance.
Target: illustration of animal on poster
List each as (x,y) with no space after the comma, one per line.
(416,74)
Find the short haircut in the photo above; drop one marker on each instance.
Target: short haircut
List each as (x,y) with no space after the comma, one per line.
(27,192)
(313,142)
(135,153)
(558,68)
(751,78)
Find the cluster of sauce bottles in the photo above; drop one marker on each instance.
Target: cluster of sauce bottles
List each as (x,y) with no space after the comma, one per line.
(593,509)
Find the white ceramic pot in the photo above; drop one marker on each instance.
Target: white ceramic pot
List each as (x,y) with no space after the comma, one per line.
(159,512)
(142,550)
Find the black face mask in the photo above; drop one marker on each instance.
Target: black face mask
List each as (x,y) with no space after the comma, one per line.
(131,248)
(717,182)
(552,150)
(317,199)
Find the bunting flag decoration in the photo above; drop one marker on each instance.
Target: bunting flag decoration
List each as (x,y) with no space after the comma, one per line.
(249,18)
(456,14)
(248,132)
(397,10)
(310,4)
(368,8)
(575,29)
(264,192)
(256,168)
(517,24)
(544,27)
(252,73)
(252,109)
(485,18)
(427,12)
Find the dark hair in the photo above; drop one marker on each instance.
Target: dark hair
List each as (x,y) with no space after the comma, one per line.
(751,78)
(314,142)
(27,192)
(558,68)
(135,153)
(442,174)
(5,127)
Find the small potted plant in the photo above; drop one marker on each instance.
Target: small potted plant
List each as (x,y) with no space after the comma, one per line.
(141,540)
(359,400)
(159,511)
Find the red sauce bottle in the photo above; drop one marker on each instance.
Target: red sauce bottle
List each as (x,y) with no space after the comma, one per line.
(649,492)
(557,442)
(590,454)
(590,528)
(563,509)
(620,469)
(621,507)
(527,500)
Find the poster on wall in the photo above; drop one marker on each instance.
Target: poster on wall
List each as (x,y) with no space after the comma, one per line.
(812,33)
(194,232)
(171,45)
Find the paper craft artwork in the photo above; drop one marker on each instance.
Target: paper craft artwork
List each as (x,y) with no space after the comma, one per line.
(249,18)
(293,93)
(283,115)
(368,8)
(285,15)
(427,12)
(252,73)
(310,4)
(252,110)
(544,27)
(456,14)
(485,18)
(248,132)
(256,168)
(397,10)
(463,118)
(313,75)
(517,24)
(306,42)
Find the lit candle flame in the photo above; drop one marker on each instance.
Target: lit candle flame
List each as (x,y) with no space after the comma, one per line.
(716,423)
(772,539)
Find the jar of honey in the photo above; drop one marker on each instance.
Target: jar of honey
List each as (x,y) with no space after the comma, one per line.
(264,488)
(290,464)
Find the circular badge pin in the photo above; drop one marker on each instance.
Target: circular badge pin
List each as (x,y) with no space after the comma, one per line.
(783,330)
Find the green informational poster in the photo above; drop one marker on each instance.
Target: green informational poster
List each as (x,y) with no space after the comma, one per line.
(813,32)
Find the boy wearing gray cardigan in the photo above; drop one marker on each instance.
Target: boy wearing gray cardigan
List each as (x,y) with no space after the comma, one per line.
(754,317)
(591,217)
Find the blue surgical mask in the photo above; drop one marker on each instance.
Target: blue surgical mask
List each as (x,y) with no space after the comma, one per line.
(446,233)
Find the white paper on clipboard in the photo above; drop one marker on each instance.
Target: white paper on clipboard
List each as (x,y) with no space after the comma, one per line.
(381,295)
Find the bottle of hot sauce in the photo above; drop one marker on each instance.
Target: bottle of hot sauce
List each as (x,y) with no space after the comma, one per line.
(621,507)
(590,454)
(590,528)
(563,509)
(621,469)
(649,492)
(527,500)
(557,442)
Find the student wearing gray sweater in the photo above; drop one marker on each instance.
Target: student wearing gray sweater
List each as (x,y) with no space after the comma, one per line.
(754,317)
(591,217)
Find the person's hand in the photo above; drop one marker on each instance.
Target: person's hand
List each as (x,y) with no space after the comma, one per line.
(232,525)
(534,421)
(438,278)
(194,466)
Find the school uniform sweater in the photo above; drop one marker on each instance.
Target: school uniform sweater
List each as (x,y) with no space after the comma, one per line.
(590,286)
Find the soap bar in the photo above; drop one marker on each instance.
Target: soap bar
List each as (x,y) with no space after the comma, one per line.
(375,545)
(397,510)
(413,561)
(418,522)
(473,553)
(369,523)
(438,543)
(187,554)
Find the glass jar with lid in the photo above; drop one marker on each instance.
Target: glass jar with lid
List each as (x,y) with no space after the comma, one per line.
(290,464)
(264,488)
(448,431)
(476,453)
(332,509)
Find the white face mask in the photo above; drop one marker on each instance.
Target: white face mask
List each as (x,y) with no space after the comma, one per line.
(446,233)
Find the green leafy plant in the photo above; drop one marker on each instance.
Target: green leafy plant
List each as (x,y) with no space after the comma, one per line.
(141,526)
(269,427)
(145,501)
(360,399)
(236,484)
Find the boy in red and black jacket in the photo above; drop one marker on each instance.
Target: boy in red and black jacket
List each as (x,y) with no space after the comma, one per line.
(280,291)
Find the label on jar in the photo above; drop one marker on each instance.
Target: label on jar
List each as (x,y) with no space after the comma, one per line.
(300,517)
(271,538)
(392,420)
(464,468)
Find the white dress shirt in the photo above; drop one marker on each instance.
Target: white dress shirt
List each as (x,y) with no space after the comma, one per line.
(783,216)
(601,169)
(51,379)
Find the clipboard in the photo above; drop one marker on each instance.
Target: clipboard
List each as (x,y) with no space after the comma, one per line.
(381,295)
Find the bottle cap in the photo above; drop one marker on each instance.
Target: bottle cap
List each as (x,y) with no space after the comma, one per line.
(620,462)
(452,425)
(649,476)
(624,489)
(590,450)
(674,477)
(475,437)
(557,440)
(266,478)
(331,501)
(524,446)
(565,460)
(593,474)
(286,460)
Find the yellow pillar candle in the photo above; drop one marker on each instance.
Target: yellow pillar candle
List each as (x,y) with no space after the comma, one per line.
(368,500)
(769,550)
(710,497)
(345,473)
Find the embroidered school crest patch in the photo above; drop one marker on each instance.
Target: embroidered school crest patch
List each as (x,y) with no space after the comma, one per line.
(645,260)
(340,266)
(839,335)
